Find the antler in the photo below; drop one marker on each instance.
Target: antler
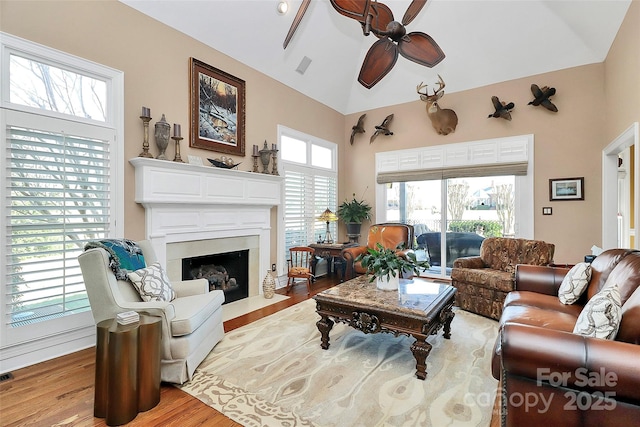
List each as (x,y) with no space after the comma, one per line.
(440,85)
(425,95)
(437,93)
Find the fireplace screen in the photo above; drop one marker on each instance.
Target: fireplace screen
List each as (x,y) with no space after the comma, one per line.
(228,272)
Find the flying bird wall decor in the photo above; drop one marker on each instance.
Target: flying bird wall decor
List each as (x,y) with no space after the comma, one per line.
(502,109)
(541,97)
(357,128)
(383,128)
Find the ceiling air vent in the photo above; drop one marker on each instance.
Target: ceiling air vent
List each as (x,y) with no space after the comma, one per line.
(304,64)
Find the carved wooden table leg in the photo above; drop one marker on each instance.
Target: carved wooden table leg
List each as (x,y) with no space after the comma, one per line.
(448,315)
(324,326)
(421,350)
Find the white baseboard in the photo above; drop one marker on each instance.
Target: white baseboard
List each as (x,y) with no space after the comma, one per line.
(27,354)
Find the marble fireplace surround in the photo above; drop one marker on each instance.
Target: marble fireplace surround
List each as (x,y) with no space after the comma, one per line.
(198,210)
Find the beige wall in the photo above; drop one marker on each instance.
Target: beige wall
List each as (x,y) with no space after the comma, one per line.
(622,87)
(622,76)
(567,144)
(155,62)
(562,144)
(596,103)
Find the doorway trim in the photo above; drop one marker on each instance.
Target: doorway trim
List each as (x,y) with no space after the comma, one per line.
(630,137)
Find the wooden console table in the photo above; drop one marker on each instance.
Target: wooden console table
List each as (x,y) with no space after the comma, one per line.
(127,368)
(333,253)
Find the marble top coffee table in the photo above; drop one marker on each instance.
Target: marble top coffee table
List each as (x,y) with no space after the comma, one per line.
(418,308)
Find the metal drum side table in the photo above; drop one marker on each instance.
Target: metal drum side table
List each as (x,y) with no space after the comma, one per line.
(127,368)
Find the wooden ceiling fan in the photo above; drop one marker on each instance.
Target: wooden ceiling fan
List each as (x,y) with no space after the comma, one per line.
(378,19)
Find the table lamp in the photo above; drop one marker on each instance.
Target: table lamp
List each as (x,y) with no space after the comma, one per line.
(328,216)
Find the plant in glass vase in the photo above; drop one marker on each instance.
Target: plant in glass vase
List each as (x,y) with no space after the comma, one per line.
(386,265)
(353,212)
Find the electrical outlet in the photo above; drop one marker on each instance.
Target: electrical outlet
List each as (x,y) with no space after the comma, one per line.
(273,267)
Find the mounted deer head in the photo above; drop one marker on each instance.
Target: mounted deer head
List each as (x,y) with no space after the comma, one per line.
(445,120)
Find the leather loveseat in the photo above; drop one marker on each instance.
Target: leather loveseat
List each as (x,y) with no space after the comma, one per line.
(551,376)
(484,281)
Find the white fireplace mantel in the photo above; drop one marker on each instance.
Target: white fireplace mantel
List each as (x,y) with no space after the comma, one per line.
(186,202)
(161,181)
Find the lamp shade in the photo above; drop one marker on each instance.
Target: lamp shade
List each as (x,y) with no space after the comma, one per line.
(327,216)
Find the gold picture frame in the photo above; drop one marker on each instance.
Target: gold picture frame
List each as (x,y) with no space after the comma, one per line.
(217,110)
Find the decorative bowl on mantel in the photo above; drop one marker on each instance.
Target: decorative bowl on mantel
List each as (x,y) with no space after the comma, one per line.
(223,162)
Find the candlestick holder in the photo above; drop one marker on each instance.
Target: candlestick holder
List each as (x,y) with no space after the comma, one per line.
(145,140)
(255,163)
(177,157)
(274,155)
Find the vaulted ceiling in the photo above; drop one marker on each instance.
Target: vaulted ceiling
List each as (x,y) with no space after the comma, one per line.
(485,42)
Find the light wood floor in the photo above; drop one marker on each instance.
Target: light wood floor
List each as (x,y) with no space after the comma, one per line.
(60,392)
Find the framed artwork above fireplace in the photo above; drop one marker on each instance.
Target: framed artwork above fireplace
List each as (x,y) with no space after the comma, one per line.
(217,110)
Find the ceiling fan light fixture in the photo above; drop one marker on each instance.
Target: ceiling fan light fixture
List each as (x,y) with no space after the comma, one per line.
(282,7)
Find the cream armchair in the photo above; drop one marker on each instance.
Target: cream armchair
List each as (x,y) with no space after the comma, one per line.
(191,323)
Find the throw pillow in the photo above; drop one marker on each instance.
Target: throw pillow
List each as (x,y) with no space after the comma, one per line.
(574,283)
(601,316)
(152,283)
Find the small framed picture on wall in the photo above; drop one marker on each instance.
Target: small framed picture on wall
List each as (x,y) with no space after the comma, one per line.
(566,189)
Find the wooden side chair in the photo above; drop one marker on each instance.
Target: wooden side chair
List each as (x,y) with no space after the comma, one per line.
(300,266)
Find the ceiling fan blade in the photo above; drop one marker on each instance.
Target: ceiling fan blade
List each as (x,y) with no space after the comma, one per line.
(380,59)
(296,22)
(382,15)
(412,11)
(354,9)
(421,48)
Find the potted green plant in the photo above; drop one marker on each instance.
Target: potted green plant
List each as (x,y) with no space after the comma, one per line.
(386,265)
(353,212)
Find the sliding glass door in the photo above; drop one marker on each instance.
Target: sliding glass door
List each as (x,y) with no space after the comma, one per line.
(452,217)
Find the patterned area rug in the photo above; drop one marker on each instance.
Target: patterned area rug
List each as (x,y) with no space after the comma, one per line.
(273,372)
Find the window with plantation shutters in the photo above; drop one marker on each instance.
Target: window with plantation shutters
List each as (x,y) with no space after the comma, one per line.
(58,191)
(311,186)
(306,197)
(61,171)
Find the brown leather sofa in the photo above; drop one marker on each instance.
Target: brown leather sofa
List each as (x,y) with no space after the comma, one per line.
(389,235)
(551,376)
(484,281)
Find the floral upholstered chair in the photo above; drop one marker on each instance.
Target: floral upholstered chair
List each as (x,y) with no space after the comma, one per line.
(484,281)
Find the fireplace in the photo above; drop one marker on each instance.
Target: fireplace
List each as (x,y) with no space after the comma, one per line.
(195,211)
(238,255)
(228,272)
